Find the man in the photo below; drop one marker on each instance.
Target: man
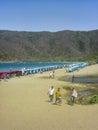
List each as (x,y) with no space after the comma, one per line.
(51,93)
(51,74)
(73,94)
(58,96)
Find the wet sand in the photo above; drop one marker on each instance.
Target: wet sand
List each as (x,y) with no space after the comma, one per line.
(24,104)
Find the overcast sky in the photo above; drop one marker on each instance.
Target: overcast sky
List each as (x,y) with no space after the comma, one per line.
(48,15)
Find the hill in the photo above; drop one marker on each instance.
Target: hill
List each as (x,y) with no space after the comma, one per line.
(48,46)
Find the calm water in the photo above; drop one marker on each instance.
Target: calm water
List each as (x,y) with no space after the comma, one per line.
(84,79)
(20,65)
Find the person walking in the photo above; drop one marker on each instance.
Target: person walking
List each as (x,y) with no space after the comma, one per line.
(51,93)
(58,96)
(73,78)
(74,95)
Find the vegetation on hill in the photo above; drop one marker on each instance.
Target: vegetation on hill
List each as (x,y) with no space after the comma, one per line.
(48,46)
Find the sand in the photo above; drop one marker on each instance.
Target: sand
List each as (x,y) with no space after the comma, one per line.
(24,104)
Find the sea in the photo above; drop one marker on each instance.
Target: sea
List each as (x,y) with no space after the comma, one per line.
(6,66)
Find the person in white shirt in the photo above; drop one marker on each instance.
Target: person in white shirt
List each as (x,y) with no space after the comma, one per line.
(51,93)
(73,94)
(51,74)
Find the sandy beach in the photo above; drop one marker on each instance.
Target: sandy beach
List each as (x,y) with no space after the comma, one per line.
(24,104)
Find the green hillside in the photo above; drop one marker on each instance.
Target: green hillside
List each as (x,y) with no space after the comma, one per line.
(48,46)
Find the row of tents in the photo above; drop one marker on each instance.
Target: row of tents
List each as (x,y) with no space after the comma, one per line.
(77,66)
(40,69)
(26,71)
(9,74)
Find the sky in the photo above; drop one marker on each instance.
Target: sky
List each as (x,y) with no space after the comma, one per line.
(48,15)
